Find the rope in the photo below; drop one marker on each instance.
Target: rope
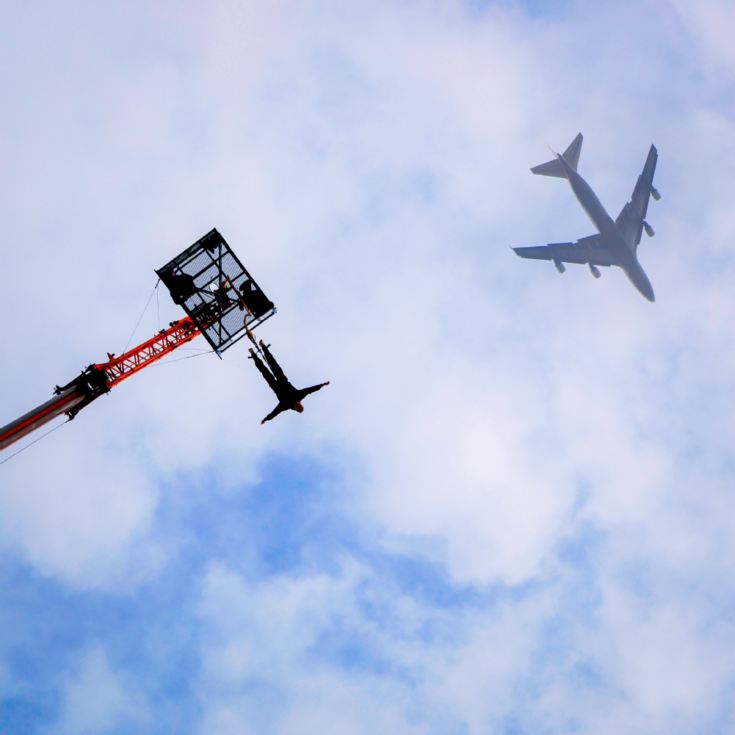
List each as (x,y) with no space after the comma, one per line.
(43,436)
(252,339)
(140,319)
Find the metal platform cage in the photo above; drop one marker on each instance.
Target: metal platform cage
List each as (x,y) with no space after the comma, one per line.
(213,287)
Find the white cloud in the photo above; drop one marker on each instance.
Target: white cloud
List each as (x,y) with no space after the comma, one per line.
(97,699)
(370,166)
(709,24)
(81,532)
(662,660)
(274,658)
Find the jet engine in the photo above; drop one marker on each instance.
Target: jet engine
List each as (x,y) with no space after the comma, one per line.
(649,230)
(654,193)
(595,271)
(559,266)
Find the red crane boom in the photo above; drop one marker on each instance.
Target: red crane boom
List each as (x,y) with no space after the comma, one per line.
(119,368)
(99,378)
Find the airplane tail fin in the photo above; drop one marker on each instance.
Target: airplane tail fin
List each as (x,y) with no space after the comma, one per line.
(554,167)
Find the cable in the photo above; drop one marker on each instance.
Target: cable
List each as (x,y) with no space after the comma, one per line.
(140,319)
(179,359)
(158,309)
(43,436)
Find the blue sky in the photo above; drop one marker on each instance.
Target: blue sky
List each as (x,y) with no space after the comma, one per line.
(510,512)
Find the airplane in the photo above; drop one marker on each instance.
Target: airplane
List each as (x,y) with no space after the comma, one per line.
(617,240)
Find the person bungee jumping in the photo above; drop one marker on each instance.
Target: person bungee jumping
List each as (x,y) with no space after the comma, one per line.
(288,396)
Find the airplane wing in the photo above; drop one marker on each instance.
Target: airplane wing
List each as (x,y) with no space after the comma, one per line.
(590,250)
(630,220)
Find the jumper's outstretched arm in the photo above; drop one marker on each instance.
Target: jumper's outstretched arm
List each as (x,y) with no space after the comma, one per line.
(313,389)
(278,409)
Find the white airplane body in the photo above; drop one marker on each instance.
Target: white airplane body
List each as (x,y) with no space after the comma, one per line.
(617,241)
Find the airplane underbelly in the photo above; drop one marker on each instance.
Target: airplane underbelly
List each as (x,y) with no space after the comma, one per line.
(592,206)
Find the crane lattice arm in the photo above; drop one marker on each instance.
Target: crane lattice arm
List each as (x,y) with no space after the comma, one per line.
(117,369)
(100,378)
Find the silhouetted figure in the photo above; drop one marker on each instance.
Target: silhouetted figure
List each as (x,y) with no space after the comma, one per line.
(288,396)
(253,299)
(221,295)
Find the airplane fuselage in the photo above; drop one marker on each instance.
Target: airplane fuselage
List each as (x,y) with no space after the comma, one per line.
(608,229)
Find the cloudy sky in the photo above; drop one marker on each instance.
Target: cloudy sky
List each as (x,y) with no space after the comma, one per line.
(511,511)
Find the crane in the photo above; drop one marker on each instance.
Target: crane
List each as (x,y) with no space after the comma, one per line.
(222,302)
(98,379)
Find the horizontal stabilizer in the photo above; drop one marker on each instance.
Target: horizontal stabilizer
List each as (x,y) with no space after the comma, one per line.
(555,167)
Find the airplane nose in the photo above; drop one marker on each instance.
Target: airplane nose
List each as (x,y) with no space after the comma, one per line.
(647,291)
(640,279)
